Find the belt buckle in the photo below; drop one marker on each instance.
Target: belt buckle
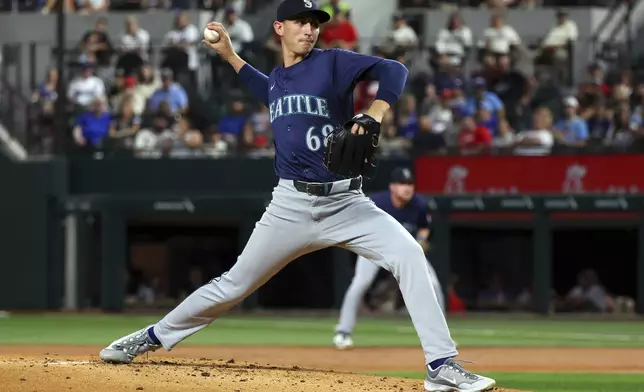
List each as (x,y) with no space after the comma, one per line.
(308,192)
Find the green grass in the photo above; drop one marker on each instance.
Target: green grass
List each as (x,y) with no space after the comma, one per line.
(557,382)
(316,331)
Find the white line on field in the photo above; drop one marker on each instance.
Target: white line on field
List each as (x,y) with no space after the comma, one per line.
(538,335)
(70,363)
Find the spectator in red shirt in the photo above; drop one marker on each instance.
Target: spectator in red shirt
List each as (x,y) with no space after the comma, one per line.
(339,33)
(473,138)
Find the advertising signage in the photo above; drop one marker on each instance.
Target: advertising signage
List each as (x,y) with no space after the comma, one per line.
(513,175)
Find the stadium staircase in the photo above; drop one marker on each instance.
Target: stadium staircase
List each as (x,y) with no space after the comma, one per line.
(616,42)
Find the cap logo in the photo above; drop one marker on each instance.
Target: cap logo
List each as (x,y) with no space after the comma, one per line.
(308,3)
(406,173)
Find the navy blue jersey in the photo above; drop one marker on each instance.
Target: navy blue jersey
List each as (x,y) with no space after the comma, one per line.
(413,216)
(306,102)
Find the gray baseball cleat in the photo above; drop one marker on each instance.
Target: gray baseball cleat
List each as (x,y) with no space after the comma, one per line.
(125,349)
(451,377)
(342,341)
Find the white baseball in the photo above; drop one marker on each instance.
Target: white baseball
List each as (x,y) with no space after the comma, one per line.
(210,35)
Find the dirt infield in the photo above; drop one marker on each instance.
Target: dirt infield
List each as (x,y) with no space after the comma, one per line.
(272,369)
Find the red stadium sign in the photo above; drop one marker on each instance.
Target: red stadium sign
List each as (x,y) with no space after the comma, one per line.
(520,174)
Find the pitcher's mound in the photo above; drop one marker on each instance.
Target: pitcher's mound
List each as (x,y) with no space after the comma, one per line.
(81,374)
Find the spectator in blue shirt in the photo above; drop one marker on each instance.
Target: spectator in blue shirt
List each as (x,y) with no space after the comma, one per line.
(486,118)
(94,125)
(231,124)
(486,99)
(571,130)
(170,92)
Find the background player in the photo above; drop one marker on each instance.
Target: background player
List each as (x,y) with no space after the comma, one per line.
(411,210)
(313,208)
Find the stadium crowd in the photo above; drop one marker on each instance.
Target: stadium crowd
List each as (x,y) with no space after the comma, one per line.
(470,92)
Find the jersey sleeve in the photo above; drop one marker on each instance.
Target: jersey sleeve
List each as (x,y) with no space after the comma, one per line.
(350,67)
(256,82)
(424,216)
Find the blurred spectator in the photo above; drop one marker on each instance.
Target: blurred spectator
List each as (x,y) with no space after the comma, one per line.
(391,144)
(180,48)
(455,304)
(240,31)
(485,100)
(594,88)
(241,35)
(408,123)
(134,47)
(93,126)
(220,6)
(44,98)
(513,88)
(129,92)
(494,297)
(231,124)
(274,47)
(623,89)
(588,295)
(600,121)
(364,94)
(430,99)
(339,33)
(539,139)
(473,138)
(571,130)
(400,39)
(449,77)
(623,132)
(118,84)
(187,142)
(91,6)
(554,48)
(170,92)
(126,123)
(252,144)
(148,141)
(148,81)
(429,140)
(454,41)
(486,119)
(50,5)
(47,90)
(85,88)
(261,123)
(332,6)
(95,46)
(506,136)
(441,117)
(499,39)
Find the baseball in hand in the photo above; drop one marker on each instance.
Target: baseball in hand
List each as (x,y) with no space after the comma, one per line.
(210,35)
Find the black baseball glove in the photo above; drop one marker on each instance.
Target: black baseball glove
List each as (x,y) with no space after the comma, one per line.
(352,154)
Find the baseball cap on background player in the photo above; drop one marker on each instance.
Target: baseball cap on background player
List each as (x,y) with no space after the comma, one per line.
(402,175)
(289,9)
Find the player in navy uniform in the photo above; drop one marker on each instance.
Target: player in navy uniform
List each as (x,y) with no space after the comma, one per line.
(412,212)
(313,208)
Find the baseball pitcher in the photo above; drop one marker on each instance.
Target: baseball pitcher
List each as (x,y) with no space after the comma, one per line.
(322,152)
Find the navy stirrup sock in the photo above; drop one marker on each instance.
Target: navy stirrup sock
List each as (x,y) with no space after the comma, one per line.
(439,362)
(154,338)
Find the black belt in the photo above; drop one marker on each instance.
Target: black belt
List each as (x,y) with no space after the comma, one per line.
(325,188)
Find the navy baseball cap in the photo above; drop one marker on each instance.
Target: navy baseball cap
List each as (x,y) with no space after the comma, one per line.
(402,175)
(289,9)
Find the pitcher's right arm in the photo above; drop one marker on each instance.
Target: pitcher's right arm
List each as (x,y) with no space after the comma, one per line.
(256,81)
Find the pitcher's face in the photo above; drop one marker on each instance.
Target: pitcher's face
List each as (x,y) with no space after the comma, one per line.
(299,35)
